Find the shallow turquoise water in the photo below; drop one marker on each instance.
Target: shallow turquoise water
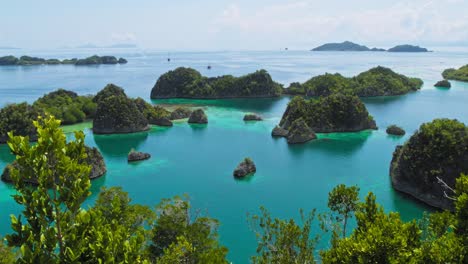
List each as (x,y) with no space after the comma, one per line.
(199,159)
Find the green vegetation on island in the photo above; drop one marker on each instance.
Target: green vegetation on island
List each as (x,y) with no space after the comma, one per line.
(116,113)
(67,106)
(18,119)
(59,229)
(28,60)
(378,81)
(189,83)
(334,113)
(435,155)
(459,75)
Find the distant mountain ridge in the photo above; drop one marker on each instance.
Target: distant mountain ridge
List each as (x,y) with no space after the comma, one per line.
(350,46)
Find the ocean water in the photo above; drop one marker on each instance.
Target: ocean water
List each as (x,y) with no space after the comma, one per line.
(198,160)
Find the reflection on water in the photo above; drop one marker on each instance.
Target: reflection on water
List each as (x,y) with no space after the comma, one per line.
(119,144)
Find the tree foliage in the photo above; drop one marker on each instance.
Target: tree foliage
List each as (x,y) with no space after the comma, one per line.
(283,241)
(378,81)
(460,74)
(67,106)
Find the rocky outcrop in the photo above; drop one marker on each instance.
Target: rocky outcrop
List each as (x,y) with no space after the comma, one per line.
(252,117)
(245,168)
(198,117)
(180,113)
(443,84)
(299,132)
(137,156)
(162,121)
(395,130)
(279,132)
(438,150)
(94,159)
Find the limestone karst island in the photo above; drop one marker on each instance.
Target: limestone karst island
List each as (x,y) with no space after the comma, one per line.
(234,132)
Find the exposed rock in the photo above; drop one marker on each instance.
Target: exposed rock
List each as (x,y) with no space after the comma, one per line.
(395,130)
(162,121)
(438,150)
(94,158)
(443,84)
(246,167)
(279,132)
(300,132)
(252,117)
(137,156)
(180,113)
(198,117)
(122,61)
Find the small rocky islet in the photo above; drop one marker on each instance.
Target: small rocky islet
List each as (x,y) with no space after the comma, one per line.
(252,117)
(29,61)
(443,84)
(198,117)
(395,130)
(134,156)
(245,168)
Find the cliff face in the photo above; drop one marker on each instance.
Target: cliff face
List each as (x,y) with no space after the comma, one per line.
(334,113)
(437,150)
(189,83)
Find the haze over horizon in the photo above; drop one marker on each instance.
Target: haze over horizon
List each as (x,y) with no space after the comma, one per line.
(233,25)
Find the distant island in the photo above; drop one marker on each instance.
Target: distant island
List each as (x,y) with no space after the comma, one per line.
(344,46)
(378,81)
(350,46)
(189,83)
(407,48)
(28,60)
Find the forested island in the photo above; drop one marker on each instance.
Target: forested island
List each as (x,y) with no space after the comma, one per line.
(28,61)
(337,112)
(460,74)
(350,46)
(378,81)
(435,155)
(189,83)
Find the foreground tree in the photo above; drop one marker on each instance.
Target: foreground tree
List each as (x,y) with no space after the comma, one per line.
(177,233)
(55,228)
(343,201)
(7,255)
(283,241)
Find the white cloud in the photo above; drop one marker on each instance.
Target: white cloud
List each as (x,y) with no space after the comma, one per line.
(302,21)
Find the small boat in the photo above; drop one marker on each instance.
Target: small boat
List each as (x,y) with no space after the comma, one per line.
(209,67)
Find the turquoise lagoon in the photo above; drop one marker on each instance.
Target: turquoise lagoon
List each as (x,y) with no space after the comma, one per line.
(198,160)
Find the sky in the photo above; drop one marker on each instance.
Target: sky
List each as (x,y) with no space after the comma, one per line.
(232,25)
